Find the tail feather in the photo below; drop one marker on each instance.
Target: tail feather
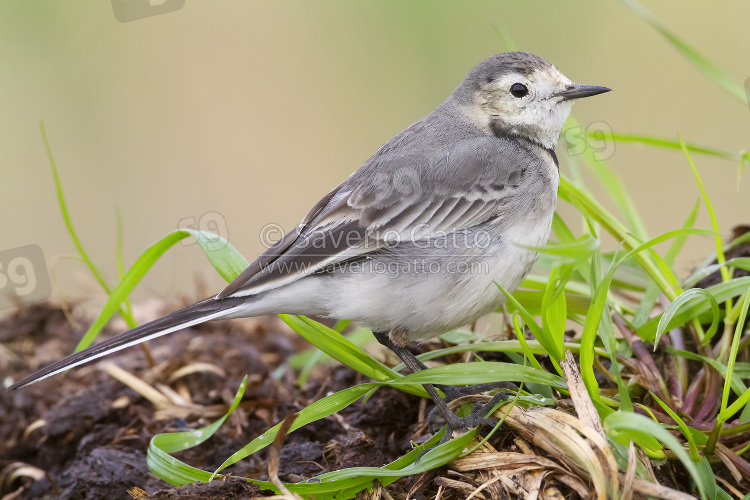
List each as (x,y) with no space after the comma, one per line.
(200,312)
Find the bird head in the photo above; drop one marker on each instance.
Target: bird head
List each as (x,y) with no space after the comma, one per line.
(520,94)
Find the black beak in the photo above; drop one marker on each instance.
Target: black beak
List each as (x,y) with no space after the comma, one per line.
(576,91)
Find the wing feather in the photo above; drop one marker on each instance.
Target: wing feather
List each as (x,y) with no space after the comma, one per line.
(466,186)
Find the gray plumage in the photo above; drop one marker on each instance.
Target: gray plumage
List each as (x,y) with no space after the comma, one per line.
(414,241)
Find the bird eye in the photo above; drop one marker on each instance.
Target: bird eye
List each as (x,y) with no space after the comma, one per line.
(518,90)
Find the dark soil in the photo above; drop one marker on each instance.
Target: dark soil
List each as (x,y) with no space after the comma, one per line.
(86,434)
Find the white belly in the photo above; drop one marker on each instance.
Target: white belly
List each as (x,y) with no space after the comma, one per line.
(444,291)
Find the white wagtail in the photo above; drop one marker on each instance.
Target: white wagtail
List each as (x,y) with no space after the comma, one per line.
(413,243)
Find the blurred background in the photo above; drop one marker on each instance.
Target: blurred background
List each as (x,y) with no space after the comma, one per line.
(233,115)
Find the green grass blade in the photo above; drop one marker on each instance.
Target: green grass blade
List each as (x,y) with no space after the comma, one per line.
(739,327)
(721,292)
(351,480)
(227,261)
(709,207)
(575,251)
(561,230)
(124,311)
(652,291)
(541,335)
(620,426)
(613,186)
(700,62)
(736,406)
(520,335)
(708,479)
(121,269)
(594,211)
(659,142)
(507,346)
(330,485)
(503,37)
(347,482)
(456,374)
(480,373)
(675,306)
(554,308)
(319,409)
(600,290)
(694,455)
(66,215)
(532,300)
(173,471)
(342,349)
(699,274)
(592,323)
(308,359)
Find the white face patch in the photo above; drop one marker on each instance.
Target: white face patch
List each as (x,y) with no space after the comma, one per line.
(536,115)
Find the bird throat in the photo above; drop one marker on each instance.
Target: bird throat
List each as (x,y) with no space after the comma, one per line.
(504,131)
(500,130)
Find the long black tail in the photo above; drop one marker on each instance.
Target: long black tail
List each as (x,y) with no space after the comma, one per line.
(200,312)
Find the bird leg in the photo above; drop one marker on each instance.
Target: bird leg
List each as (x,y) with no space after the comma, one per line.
(478,415)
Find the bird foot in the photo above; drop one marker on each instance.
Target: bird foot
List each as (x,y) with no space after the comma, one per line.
(477,418)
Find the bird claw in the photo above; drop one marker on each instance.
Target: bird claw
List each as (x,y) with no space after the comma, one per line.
(477,418)
(453,392)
